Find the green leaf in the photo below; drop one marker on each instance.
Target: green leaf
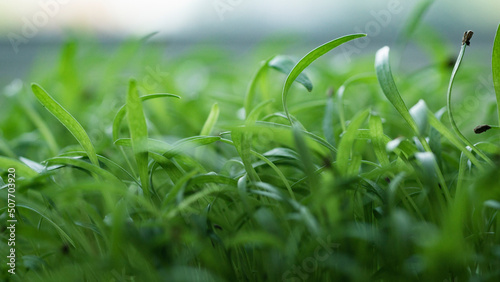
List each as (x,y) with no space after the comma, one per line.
(305,157)
(285,65)
(386,81)
(242,143)
(441,128)
(22,170)
(307,60)
(67,120)
(251,89)
(364,77)
(450,112)
(56,226)
(123,110)
(211,120)
(347,141)
(378,139)
(138,134)
(495,65)
(68,161)
(419,115)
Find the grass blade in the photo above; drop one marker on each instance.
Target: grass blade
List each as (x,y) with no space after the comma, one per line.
(95,170)
(307,60)
(305,157)
(22,170)
(138,134)
(495,66)
(123,110)
(67,120)
(441,128)
(377,137)
(386,81)
(211,120)
(285,65)
(250,93)
(465,43)
(347,141)
(56,226)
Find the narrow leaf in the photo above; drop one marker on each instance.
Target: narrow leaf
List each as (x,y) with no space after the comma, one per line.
(495,65)
(67,120)
(285,65)
(307,60)
(123,110)
(138,134)
(386,81)
(22,170)
(211,120)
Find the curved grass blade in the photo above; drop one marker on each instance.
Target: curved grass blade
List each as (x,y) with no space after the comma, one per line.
(182,146)
(67,161)
(211,120)
(364,77)
(56,226)
(123,110)
(42,127)
(138,134)
(179,185)
(285,65)
(377,137)
(386,81)
(67,120)
(22,170)
(305,157)
(107,162)
(441,128)
(419,114)
(328,123)
(307,60)
(465,43)
(495,66)
(347,141)
(250,93)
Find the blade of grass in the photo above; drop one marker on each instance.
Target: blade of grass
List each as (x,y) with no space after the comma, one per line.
(377,137)
(386,81)
(67,120)
(364,77)
(307,60)
(347,141)
(495,65)
(305,157)
(67,161)
(250,93)
(42,126)
(22,170)
(123,110)
(465,43)
(56,226)
(441,128)
(138,134)
(211,120)
(285,65)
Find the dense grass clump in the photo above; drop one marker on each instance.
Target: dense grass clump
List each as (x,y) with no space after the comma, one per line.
(188,173)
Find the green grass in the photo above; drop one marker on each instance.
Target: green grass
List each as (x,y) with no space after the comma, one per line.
(244,175)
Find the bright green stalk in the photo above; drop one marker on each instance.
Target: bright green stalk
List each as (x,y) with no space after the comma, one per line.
(465,42)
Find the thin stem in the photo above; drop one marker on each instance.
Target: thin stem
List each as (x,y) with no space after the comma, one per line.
(465,43)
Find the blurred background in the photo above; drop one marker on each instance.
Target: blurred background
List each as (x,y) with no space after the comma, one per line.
(30,27)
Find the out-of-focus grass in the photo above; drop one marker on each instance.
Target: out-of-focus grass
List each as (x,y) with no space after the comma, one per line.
(367,183)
